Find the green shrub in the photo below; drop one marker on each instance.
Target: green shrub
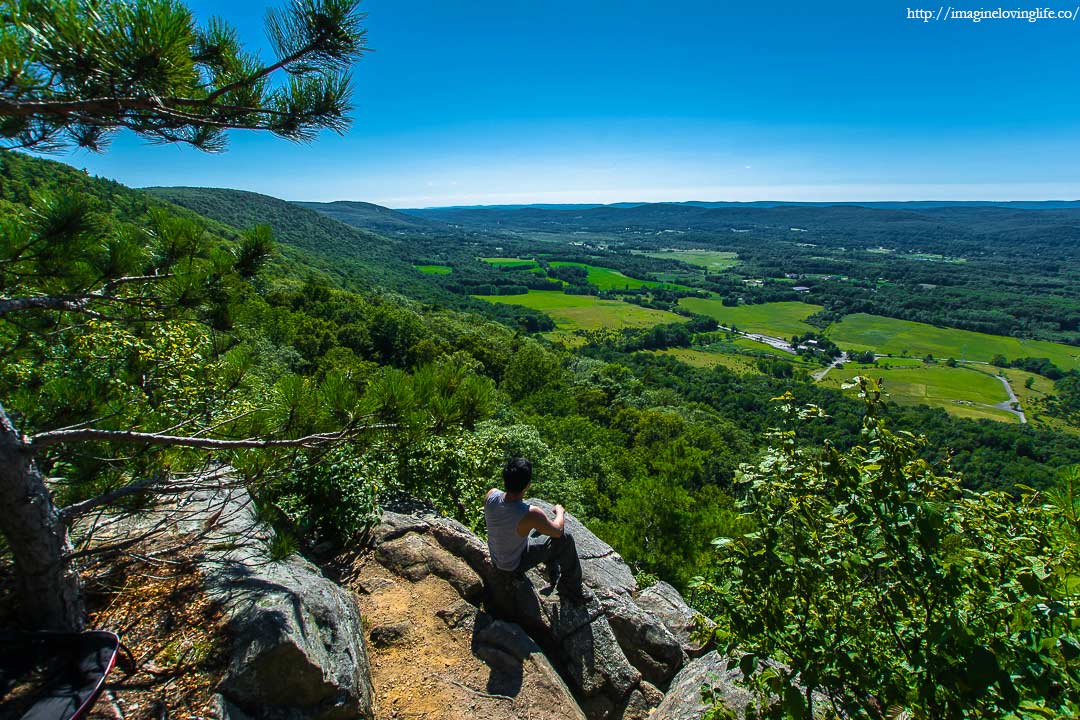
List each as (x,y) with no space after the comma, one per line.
(877,581)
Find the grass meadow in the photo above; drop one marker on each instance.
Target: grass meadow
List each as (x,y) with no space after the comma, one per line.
(903,337)
(779,319)
(608,279)
(708,259)
(434,269)
(695,357)
(586,312)
(961,391)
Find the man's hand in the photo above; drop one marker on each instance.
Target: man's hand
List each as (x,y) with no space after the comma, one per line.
(560,519)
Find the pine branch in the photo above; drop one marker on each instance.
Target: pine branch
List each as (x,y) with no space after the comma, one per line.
(76,305)
(57,437)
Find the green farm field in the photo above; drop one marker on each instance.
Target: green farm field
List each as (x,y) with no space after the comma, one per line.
(961,391)
(434,269)
(753,346)
(608,279)
(502,262)
(694,357)
(898,337)
(899,362)
(779,319)
(708,259)
(1033,398)
(586,312)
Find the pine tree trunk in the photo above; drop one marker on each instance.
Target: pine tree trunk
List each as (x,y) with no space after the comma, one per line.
(48,589)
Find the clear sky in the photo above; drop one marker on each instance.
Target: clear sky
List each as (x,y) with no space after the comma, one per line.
(507,101)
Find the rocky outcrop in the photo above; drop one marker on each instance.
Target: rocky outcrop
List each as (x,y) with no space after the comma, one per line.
(450,636)
(416,556)
(683,699)
(614,653)
(506,647)
(664,603)
(298,649)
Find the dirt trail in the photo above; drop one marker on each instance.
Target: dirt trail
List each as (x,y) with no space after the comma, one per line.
(430,671)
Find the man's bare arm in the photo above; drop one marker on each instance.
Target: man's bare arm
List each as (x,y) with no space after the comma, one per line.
(537,520)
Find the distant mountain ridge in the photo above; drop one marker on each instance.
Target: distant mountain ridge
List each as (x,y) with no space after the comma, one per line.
(373,217)
(946,229)
(879,205)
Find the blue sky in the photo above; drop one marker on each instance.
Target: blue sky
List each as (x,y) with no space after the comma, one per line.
(506,101)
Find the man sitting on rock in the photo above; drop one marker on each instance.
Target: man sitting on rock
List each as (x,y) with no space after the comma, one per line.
(510,520)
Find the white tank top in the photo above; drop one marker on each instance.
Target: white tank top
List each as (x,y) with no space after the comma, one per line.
(504,543)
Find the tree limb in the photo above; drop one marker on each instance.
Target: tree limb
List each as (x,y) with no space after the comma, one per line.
(10,305)
(57,437)
(76,510)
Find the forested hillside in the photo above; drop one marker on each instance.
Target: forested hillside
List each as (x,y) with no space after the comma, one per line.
(610,429)
(374,217)
(219,332)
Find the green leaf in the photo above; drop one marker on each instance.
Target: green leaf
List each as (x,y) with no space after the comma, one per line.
(747,663)
(1070,648)
(982,669)
(1030,583)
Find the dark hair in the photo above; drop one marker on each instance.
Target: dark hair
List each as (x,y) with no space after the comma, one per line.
(517,475)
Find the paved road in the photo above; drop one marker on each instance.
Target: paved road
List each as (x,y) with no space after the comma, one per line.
(1012,403)
(820,374)
(778,343)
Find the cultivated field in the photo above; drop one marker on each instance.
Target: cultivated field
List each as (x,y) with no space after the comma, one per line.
(694,357)
(608,279)
(898,362)
(961,391)
(508,262)
(708,259)
(903,337)
(434,269)
(586,312)
(780,319)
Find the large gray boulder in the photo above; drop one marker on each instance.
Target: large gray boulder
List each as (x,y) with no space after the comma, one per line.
(298,651)
(646,641)
(649,645)
(512,653)
(578,639)
(664,603)
(683,698)
(711,670)
(415,556)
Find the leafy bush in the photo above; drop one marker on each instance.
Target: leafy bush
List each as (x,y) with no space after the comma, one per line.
(876,580)
(333,497)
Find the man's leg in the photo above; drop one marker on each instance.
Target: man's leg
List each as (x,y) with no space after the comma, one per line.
(566,556)
(541,549)
(560,555)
